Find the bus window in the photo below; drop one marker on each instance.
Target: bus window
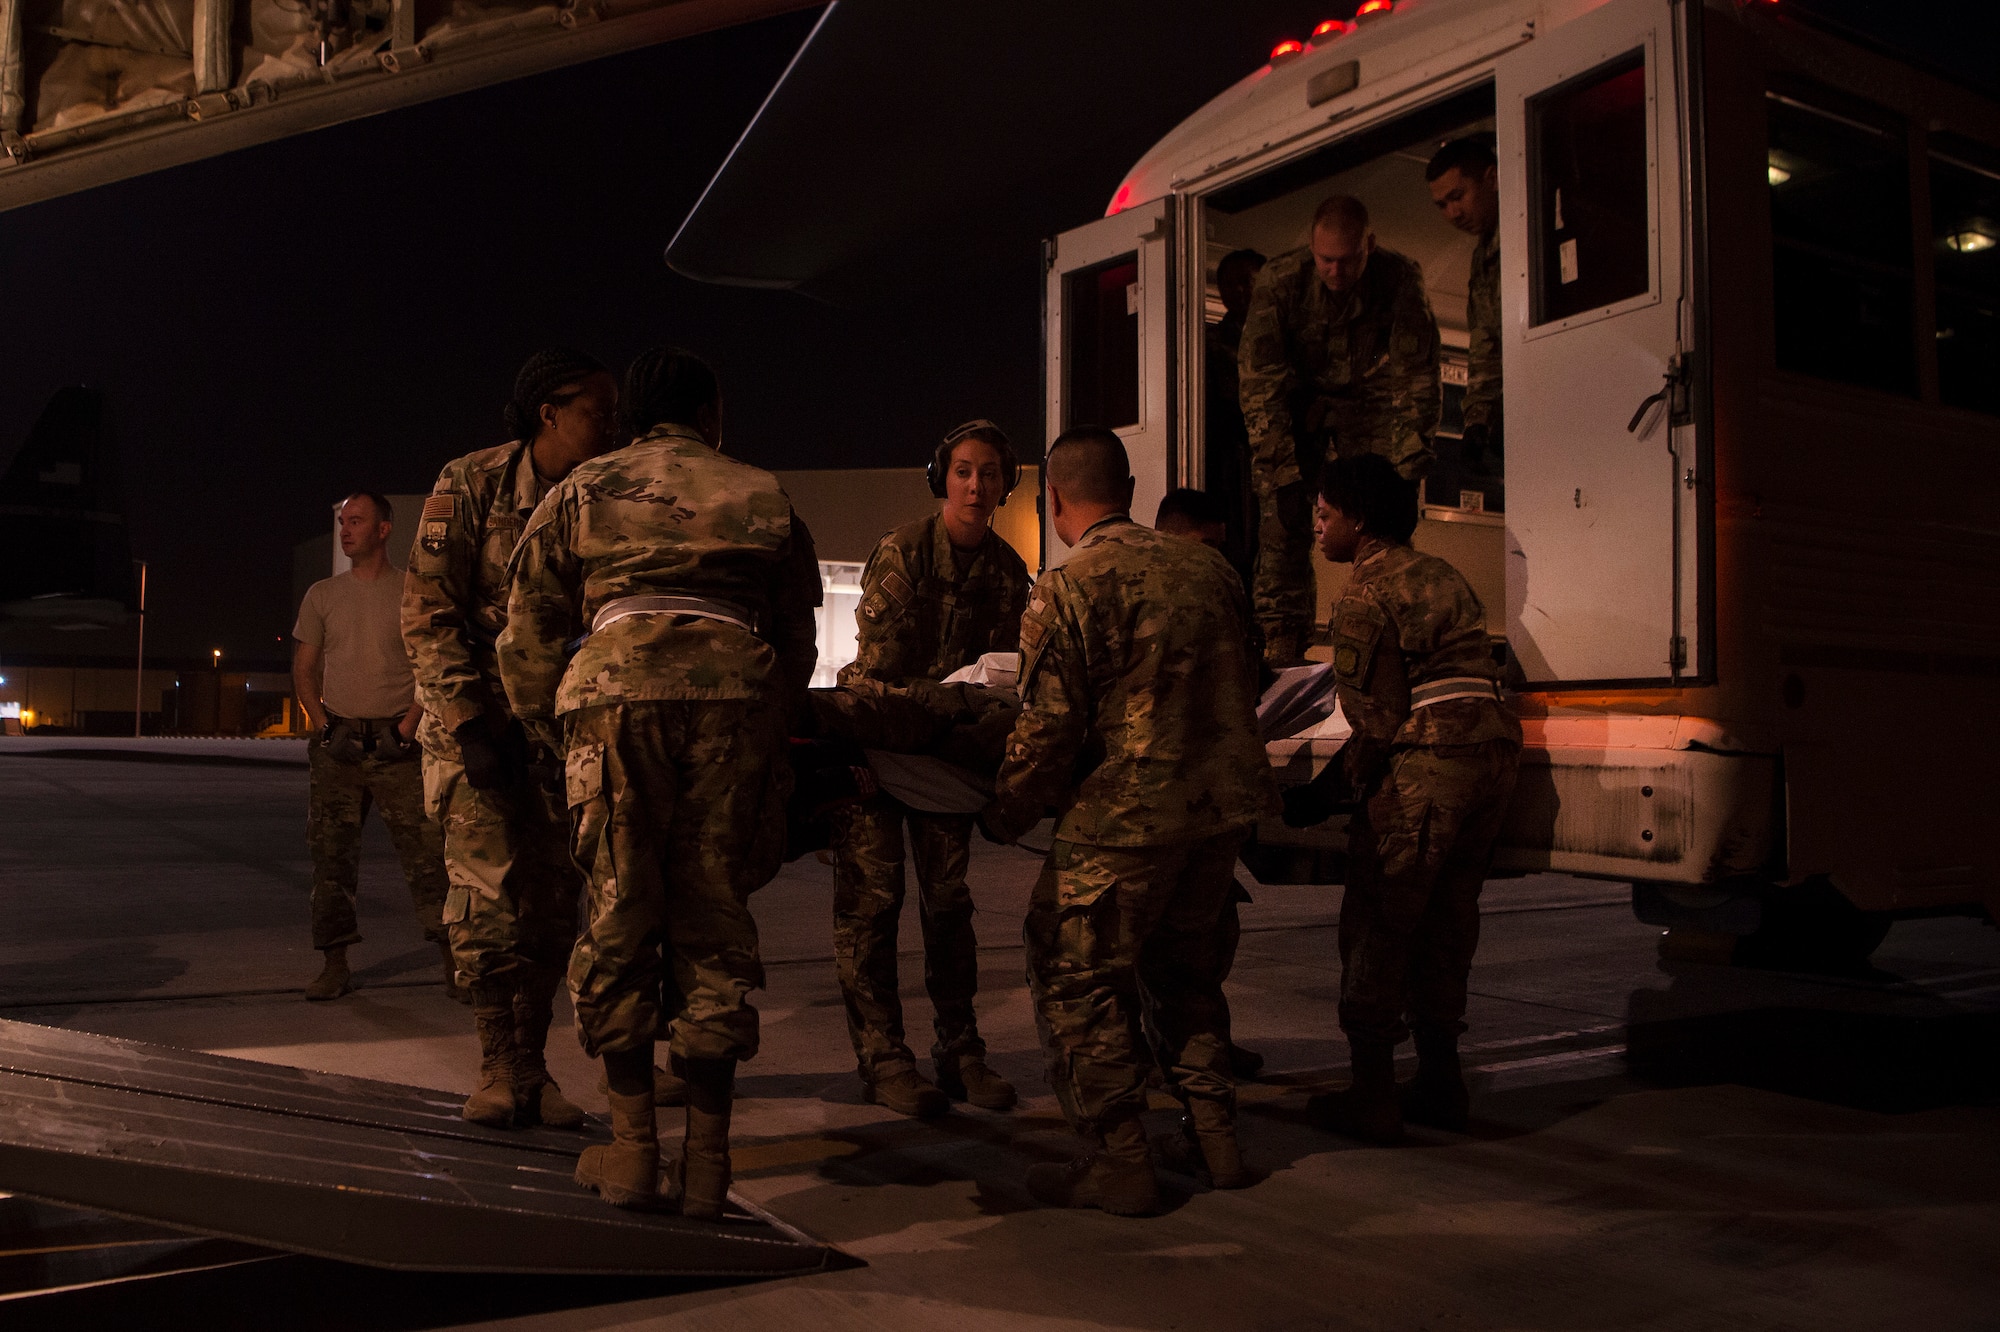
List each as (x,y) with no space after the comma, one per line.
(1588,216)
(1965,256)
(1101,344)
(1840,238)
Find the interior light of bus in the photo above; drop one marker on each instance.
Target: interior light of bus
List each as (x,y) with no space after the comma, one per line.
(1329,30)
(1286,49)
(1970,241)
(1374,9)
(1777,174)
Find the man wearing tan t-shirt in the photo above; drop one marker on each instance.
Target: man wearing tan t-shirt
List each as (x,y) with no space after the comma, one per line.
(356,687)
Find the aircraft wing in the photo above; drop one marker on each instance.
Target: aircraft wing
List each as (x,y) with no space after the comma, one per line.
(92,93)
(899,112)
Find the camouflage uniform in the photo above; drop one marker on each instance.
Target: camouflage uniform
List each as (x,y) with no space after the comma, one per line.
(674,725)
(514,888)
(1482,320)
(1347,373)
(356,771)
(926,610)
(1435,781)
(1140,723)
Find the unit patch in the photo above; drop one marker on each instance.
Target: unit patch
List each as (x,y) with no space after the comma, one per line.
(433,538)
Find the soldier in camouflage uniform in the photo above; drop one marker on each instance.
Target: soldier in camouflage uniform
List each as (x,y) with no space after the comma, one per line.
(691,585)
(1464,181)
(1339,357)
(1431,766)
(936,595)
(512,906)
(1139,725)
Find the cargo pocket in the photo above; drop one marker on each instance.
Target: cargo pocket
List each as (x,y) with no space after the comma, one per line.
(1081,876)
(457,905)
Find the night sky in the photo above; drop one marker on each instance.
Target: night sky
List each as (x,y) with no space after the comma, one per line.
(345,309)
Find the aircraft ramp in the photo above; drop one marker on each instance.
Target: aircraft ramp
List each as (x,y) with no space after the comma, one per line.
(344,1168)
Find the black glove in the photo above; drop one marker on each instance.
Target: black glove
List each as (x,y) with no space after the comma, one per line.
(1294,503)
(492,762)
(986,829)
(1317,800)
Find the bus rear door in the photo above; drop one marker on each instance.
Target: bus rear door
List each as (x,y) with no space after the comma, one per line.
(1594,295)
(1108,321)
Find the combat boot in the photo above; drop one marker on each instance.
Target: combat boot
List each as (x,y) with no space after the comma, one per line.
(1368,1109)
(1116,1177)
(333,979)
(626,1173)
(1212,1127)
(458,994)
(905,1091)
(537,1099)
(1438,1097)
(699,1176)
(965,1077)
(668,1088)
(493,1013)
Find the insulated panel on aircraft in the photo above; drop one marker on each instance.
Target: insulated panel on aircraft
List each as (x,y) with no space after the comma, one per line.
(345,1168)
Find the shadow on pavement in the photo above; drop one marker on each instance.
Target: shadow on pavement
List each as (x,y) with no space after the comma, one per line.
(303,1294)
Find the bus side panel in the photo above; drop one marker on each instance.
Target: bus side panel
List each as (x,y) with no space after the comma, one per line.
(1857,557)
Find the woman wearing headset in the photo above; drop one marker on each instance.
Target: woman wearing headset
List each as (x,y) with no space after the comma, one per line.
(937,594)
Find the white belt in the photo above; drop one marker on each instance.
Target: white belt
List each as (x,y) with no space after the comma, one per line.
(1452,688)
(701,608)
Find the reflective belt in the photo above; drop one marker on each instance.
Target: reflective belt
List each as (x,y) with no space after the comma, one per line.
(1452,688)
(701,608)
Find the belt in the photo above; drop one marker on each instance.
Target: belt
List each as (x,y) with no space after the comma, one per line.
(1452,688)
(701,608)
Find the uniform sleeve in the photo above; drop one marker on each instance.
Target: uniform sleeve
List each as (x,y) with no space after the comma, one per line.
(1409,383)
(310,628)
(1367,663)
(1482,319)
(544,609)
(886,621)
(1055,716)
(1265,385)
(796,594)
(436,592)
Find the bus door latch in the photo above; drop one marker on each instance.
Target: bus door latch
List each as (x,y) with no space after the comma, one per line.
(1673,393)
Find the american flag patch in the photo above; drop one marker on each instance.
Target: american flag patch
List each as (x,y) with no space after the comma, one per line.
(440,506)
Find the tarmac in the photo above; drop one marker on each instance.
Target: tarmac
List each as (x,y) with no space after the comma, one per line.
(1656,1145)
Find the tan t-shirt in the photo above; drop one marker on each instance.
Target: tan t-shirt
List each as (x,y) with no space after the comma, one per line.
(358,626)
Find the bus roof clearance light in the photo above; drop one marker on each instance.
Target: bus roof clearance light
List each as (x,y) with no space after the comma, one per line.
(1329,30)
(1286,49)
(1970,241)
(1374,9)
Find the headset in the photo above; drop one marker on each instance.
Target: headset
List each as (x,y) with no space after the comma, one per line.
(940,464)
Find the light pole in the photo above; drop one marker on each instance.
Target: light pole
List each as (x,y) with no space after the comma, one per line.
(139,681)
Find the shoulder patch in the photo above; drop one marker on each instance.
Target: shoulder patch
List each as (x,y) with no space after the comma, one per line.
(443,506)
(1356,633)
(899,589)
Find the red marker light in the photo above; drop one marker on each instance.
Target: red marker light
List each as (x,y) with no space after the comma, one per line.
(1121,200)
(1374,7)
(1286,49)
(1331,29)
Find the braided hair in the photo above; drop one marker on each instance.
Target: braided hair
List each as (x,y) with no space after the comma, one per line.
(552,376)
(667,386)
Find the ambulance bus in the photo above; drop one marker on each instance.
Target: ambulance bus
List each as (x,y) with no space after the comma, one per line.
(1744,566)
